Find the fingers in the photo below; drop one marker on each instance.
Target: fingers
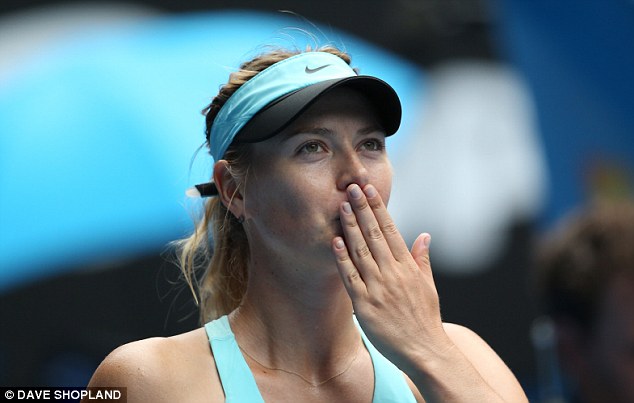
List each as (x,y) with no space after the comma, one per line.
(362,231)
(396,243)
(376,225)
(372,246)
(357,247)
(350,276)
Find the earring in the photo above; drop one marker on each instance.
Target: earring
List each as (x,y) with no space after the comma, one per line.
(241,219)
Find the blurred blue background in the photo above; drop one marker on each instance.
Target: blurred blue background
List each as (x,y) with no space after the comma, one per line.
(514,113)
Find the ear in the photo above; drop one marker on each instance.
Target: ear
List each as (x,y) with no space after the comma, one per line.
(228,189)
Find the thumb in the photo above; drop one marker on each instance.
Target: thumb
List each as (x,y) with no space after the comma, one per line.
(420,250)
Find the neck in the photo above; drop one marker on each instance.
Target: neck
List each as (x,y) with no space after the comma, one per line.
(301,322)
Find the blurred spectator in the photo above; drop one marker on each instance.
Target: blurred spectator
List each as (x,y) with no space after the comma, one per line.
(585,273)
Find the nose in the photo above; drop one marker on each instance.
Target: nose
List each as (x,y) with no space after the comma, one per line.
(352,170)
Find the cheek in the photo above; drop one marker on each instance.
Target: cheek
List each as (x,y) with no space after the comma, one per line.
(382,180)
(278,201)
(386,192)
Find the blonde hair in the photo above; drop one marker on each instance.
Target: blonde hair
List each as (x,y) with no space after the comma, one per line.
(224,271)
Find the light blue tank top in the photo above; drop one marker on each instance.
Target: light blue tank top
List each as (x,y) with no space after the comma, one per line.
(240,387)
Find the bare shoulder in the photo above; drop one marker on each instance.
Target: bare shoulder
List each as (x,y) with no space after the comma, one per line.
(486,361)
(160,369)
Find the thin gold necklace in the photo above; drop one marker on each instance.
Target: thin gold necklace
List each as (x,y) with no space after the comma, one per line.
(303,378)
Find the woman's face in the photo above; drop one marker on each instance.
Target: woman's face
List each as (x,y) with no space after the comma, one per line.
(299,177)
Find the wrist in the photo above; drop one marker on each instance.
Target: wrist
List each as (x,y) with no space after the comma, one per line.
(443,373)
(430,355)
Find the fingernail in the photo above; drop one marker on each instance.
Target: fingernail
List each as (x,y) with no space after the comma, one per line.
(346,208)
(355,191)
(426,240)
(339,243)
(370,191)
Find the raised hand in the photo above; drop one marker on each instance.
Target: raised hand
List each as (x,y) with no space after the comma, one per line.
(395,300)
(392,288)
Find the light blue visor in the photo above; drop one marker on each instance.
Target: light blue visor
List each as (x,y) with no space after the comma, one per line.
(271,100)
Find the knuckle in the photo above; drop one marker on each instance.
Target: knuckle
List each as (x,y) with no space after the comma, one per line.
(352,276)
(362,251)
(363,205)
(375,203)
(389,227)
(375,233)
(343,258)
(425,261)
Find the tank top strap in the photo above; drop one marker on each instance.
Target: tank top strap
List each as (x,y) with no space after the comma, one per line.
(236,378)
(390,385)
(239,384)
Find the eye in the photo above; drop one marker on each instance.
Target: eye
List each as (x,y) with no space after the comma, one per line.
(310,147)
(373,145)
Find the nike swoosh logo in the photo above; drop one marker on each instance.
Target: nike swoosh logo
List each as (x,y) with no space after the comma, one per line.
(316,69)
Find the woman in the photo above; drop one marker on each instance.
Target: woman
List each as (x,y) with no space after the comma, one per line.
(301,240)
